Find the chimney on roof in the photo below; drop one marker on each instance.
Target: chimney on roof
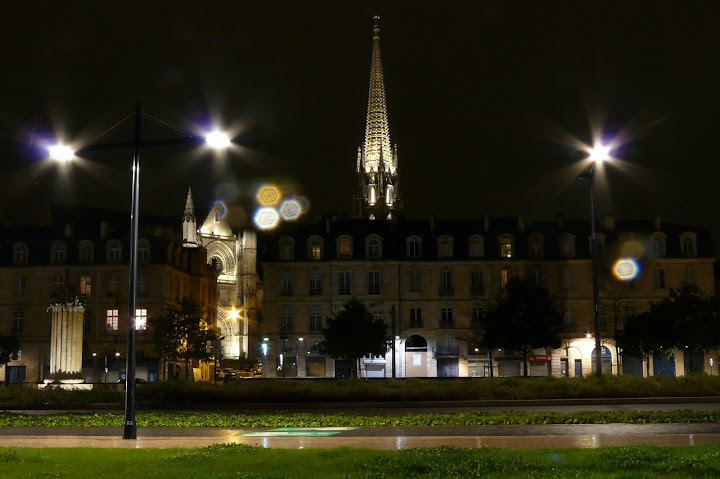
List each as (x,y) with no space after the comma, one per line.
(432,223)
(105,229)
(521,223)
(486,222)
(608,223)
(657,223)
(560,219)
(68,230)
(327,225)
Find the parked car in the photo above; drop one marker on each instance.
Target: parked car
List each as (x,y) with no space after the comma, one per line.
(230,377)
(137,381)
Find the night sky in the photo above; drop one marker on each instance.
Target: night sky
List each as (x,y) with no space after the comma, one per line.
(489,103)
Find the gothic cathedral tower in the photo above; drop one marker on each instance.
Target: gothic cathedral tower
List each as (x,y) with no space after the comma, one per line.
(377,165)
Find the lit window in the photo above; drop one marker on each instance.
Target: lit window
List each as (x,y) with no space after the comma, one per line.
(85,285)
(141,319)
(315,250)
(111,323)
(504,276)
(344,247)
(506,247)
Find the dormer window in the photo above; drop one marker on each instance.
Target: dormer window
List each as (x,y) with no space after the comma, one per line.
(315,248)
(445,247)
(287,249)
(688,244)
(344,246)
(113,252)
(87,252)
(567,246)
(506,246)
(476,246)
(20,255)
(143,251)
(57,252)
(373,246)
(657,245)
(536,249)
(414,247)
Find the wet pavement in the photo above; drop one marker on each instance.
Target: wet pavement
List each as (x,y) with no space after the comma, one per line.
(392,438)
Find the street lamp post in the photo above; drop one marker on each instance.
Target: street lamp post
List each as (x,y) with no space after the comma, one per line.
(216,140)
(597,155)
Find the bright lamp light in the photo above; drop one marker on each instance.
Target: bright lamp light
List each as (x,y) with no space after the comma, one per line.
(600,153)
(217,139)
(61,152)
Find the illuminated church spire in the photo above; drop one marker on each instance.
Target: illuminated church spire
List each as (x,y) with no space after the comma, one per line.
(189,228)
(377,164)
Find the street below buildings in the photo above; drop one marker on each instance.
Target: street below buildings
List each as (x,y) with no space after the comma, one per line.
(389,438)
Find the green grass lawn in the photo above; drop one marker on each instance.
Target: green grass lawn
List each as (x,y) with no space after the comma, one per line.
(241,461)
(302,419)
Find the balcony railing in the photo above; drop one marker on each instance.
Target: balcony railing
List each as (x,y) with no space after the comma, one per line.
(446,291)
(477,291)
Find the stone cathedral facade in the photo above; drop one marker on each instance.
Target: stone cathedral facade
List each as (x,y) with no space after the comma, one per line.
(233,255)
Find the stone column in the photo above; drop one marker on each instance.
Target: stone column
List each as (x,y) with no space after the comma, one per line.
(66,342)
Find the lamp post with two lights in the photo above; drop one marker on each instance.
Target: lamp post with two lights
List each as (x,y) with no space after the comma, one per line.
(60,152)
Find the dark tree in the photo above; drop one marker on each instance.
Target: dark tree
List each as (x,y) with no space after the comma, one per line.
(353,333)
(181,334)
(686,319)
(524,317)
(9,346)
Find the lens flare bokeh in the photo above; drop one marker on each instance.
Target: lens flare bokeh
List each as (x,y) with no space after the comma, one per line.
(626,269)
(266,218)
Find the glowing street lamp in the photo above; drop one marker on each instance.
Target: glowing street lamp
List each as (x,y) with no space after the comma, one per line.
(59,152)
(597,154)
